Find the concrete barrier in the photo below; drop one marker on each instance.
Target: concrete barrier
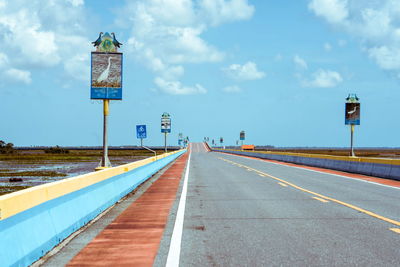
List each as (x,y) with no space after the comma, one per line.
(34,220)
(378,167)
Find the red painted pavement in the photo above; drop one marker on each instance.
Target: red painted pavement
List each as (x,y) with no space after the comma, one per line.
(133,238)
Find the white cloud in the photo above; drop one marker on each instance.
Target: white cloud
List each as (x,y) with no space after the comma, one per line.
(299,62)
(38,35)
(16,75)
(375,23)
(327,47)
(334,11)
(220,11)
(176,88)
(232,89)
(166,34)
(323,79)
(248,71)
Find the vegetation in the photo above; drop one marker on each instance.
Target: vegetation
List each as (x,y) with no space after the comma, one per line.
(9,189)
(6,148)
(33,173)
(56,150)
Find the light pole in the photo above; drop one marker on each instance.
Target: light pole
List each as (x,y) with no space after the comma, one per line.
(352,117)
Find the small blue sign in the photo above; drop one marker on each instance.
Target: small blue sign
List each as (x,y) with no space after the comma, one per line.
(141,131)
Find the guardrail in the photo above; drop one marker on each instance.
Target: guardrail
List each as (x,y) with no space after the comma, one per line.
(34,220)
(378,167)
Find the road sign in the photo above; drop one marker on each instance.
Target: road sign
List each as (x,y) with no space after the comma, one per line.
(165,123)
(242,135)
(352,116)
(141,132)
(221,140)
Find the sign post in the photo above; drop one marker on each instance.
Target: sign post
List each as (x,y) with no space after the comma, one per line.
(352,117)
(141,133)
(242,136)
(165,127)
(106,81)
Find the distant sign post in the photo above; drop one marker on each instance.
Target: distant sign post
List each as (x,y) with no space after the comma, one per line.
(141,133)
(106,80)
(165,127)
(242,136)
(352,117)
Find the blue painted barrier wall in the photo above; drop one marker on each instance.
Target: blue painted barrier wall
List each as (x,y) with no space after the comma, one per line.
(28,235)
(390,171)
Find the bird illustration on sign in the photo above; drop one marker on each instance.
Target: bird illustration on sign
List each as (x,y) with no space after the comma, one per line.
(106,43)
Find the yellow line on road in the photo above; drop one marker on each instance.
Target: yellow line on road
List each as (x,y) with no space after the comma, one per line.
(282,184)
(262,175)
(321,199)
(396,230)
(370,213)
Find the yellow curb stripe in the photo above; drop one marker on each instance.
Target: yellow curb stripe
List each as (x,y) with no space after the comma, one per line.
(396,230)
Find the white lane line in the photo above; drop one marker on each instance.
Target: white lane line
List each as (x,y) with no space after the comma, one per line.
(305,169)
(174,252)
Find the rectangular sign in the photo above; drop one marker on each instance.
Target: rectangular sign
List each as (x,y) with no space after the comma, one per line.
(141,132)
(165,125)
(352,116)
(106,76)
(242,135)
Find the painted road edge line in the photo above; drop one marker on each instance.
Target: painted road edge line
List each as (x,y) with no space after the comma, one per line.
(306,169)
(176,239)
(372,214)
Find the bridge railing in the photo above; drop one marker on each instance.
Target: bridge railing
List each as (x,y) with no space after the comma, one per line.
(34,220)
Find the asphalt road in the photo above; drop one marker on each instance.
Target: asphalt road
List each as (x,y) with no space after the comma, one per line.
(246,212)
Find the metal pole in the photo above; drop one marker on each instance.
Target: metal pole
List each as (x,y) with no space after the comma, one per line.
(351,140)
(141,141)
(104,161)
(165,142)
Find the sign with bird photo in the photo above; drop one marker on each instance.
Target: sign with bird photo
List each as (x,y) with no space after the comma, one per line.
(352,116)
(106,75)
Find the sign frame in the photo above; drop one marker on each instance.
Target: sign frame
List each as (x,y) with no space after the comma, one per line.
(165,125)
(104,92)
(352,113)
(141,133)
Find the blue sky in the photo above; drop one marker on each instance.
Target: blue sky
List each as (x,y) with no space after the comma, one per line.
(280,70)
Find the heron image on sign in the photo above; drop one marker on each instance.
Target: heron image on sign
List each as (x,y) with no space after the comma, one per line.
(352,116)
(106,76)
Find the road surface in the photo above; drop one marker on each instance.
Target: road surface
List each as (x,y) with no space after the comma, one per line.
(240,211)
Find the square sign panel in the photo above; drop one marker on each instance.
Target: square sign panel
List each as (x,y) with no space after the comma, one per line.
(141,132)
(165,125)
(106,76)
(352,116)
(242,135)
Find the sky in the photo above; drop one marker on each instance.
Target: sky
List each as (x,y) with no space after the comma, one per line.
(279,70)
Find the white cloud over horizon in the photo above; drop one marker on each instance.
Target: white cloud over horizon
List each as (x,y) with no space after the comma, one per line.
(166,34)
(375,23)
(247,71)
(300,62)
(40,35)
(323,79)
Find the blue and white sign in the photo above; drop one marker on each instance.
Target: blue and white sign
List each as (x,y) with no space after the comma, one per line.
(141,131)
